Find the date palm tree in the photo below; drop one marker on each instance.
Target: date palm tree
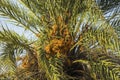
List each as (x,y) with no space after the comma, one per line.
(73,41)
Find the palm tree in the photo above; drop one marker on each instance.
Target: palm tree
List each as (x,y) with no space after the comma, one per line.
(73,41)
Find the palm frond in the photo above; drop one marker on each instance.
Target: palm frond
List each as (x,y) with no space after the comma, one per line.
(102,68)
(93,31)
(12,43)
(111,11)
(53,67)
(20,13)
(36,6)
(12,37)
(13,46)
(7,68)
(107,4)
(113,18)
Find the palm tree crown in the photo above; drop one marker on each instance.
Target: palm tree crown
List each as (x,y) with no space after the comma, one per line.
(73,40)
